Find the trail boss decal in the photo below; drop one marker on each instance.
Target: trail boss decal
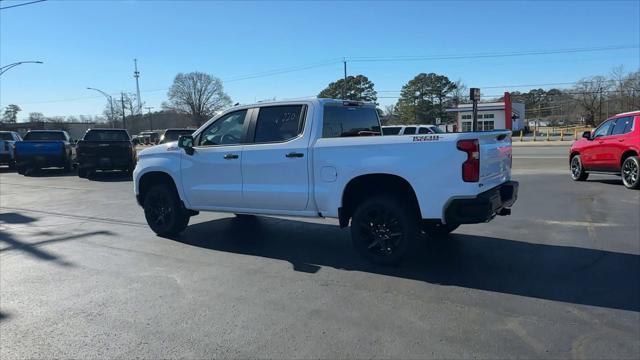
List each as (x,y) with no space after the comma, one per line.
(426,138)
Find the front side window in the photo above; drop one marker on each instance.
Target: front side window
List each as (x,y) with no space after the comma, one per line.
(622,126)
(227,130)
(603,130)
(278,123)
(346,121)
(424,130)
(411,130)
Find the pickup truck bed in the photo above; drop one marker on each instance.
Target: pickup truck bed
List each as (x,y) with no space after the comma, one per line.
(43,149)
(327,158)
(105,149)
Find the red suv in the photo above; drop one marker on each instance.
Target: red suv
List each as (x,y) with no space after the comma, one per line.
(612,148)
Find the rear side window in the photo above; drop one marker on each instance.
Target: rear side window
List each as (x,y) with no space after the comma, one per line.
(106,135)
(278,123)
(392,130)
(345,121)
(6,136)
(411,130)
(45,135)
(623,125)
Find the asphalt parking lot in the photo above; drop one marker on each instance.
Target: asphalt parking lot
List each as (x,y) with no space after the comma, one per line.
(81,276)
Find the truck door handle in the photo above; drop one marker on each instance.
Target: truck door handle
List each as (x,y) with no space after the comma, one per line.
(294,155)
(620,140)
(230,156)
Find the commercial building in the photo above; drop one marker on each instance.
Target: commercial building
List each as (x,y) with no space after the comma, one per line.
(495,115)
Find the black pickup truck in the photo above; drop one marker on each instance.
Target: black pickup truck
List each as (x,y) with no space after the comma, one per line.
(105,149)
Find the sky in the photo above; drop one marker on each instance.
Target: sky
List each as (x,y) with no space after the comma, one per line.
(93,44)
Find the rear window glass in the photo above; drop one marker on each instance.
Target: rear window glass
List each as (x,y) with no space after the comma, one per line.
(173,135)
(394,130)
(106,135)
(6,136)
(278,123)
(345,121)
(45,135)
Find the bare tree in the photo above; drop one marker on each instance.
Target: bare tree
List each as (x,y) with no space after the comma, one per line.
(198,94)
(36,117)
(589,94)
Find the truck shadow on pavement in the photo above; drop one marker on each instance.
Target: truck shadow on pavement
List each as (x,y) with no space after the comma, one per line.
(551,272)
(110,176)
(34,249)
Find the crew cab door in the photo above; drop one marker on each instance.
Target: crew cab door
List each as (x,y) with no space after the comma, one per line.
(592,153)
(212,175)
(276,159)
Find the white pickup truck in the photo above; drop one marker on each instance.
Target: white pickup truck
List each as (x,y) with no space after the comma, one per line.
(326,158)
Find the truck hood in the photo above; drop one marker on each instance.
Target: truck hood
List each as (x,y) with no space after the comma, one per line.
(159,149)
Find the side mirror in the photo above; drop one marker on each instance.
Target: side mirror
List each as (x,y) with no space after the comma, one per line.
(587,135)
(186,142)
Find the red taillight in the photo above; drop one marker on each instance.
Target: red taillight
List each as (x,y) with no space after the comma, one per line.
(471,167)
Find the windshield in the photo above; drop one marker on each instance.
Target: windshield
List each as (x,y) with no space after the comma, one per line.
(106,135)
(173,135)
(45,135)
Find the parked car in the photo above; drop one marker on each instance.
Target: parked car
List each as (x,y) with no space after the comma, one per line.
(105,149)
(411,130)
(153,137)
(43,149)
(173,134)
(612,148)
(7,141)
(318,158)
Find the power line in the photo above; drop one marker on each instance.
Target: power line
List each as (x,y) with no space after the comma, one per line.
(489,55)
(23,4)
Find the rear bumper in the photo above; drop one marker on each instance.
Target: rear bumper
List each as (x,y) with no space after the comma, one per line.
(5,158)
(105,163)
(41,161)
(483,207)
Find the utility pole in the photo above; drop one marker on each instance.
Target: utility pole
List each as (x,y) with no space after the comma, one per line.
(344,86)
(136,74)
(149,115)
(124,121)
(600,106)
(474,94)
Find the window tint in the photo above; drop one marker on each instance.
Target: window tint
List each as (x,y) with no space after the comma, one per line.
(227,130)
(278,123)
(410,130)
(392,130)
(45,135)
(621,126)
(603,130)
(6,136)
(424,130)
(629,126)
(106,135)
(343,121)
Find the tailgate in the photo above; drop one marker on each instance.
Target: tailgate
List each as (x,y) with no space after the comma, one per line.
(104,148)
(495,157)
(39,148)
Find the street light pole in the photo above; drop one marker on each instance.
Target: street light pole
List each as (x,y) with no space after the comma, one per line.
(4,69)
(110,99)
